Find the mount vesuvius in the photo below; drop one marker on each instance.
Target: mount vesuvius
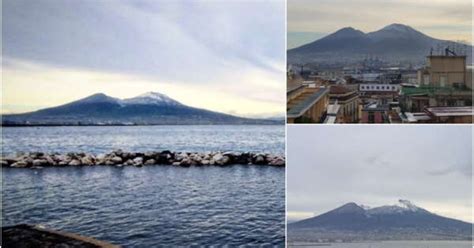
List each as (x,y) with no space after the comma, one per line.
(395,43)
(151,108)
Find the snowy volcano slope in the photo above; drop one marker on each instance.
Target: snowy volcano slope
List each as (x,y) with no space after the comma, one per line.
(401,221)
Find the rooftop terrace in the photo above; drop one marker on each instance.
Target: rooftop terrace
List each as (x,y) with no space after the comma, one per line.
(301,103)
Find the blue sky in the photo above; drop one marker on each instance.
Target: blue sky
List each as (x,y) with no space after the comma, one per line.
(377,165)
(443,19)
(224,56)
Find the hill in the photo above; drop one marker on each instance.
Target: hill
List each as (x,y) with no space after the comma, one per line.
(147,109)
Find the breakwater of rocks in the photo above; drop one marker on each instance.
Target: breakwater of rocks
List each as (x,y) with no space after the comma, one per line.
(120,158)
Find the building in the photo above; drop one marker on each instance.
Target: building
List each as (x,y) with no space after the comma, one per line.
(450,114)
(348,102)
(334,114)
(416,99)
(331,74)
(444,82)
(382,94)
(375,113)
(379,88)
(307,103)
(441,115)
(444,71)
(418,117)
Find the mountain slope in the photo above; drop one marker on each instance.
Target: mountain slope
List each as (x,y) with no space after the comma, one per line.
(395,42)
(404,221)
(147,109)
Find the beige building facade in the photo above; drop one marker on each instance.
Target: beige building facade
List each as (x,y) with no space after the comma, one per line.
(444,71)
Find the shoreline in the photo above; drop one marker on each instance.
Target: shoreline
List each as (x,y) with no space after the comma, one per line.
(121,158)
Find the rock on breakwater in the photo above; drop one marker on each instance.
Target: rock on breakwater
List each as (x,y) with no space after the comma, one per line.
(121,158)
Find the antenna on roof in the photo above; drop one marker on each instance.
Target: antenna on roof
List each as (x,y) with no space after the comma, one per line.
(447,51)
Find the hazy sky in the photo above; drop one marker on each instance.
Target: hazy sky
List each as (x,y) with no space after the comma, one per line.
(225,56)
(377,165)
(443,19)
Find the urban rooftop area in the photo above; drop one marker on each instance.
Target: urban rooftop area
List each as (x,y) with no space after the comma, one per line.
(438,90)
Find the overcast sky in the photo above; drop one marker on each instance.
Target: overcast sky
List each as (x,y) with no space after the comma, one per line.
(444,19)
(227,56)
(329,166)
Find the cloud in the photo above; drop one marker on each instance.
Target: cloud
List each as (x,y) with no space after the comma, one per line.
(225,49)
(464,169)
(172,39)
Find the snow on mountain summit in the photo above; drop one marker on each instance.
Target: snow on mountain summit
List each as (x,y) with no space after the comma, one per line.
(152,98)
(407,205)
(401,207)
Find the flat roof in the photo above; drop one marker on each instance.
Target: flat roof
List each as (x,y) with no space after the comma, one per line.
(304,105)
(375,107)
(417,116)
(423,90)
(294,88)
(451,111)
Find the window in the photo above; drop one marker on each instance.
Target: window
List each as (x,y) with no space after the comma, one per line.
(442,81)
(426,79)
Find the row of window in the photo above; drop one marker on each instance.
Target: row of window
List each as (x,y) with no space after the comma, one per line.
(378,87)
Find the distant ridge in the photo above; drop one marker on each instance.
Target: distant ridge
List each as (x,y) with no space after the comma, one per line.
(402,221)
(395,42)
(151,108)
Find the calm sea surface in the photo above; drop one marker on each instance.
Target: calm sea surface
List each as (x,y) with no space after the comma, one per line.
(391,244)
(145,138)
(152,205)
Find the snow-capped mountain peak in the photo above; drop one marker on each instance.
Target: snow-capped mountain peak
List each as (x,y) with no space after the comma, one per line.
(407,205)
(402,206)
(151,98)
(152,94)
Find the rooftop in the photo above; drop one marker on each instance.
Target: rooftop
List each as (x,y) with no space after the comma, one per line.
(330,120)
(301,103)
(451,111)
(431,90)
(375,107)
(339,89)
(417,116)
